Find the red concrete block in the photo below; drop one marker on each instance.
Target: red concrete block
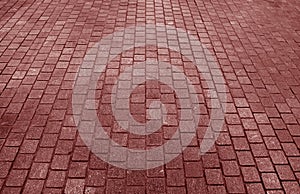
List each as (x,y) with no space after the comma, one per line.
(81,154)
(259,150)
(56,179)
(23,161)
(271,181)
(245,112)
(290,149)
(53,127)
(193,169)
(295,163)
(44,154)
(217,189)
(53,190)
(236,130)
(284,136)
(191,154)
(14,139)
(241,102)
(116,186)
(254,188)
(285,172)
(29,146)
(245,158)
(8,190)
(175,177)
(68,133)
(283,108)
(250,174)
(278,157)
(136,178)
(64,147)
(264,165)
(8,153)
(176,190)
(240,144)
(195,186)
(156,185)
(60,162)
(230,168)
(77,169)
(235,184)
(16,178)
(39,170)
(95,190)
(272,143)
(95,178)
(226,153)
(176,163)
(96,163)
(49,140)
(214,176)
(33,186)
(266,130)
(157,172)
(74,186)
(291,187)
(4,169)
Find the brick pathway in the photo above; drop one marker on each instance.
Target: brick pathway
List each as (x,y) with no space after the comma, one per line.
(256,44)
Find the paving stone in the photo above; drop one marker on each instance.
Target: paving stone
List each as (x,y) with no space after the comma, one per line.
(74,186)
(271,181)
(235,185)
(16,178)
(56,179)
(34,186)
(214,176)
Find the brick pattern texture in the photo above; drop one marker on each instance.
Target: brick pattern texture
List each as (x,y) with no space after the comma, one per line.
(256,44)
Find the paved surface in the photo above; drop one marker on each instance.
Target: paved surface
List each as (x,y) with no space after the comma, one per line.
(256,43)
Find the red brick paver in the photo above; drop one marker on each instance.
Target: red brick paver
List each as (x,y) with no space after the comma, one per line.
(256,44)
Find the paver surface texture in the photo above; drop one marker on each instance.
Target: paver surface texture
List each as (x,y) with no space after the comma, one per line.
(44,46)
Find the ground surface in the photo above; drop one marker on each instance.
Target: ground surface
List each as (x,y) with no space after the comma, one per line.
(256,44)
